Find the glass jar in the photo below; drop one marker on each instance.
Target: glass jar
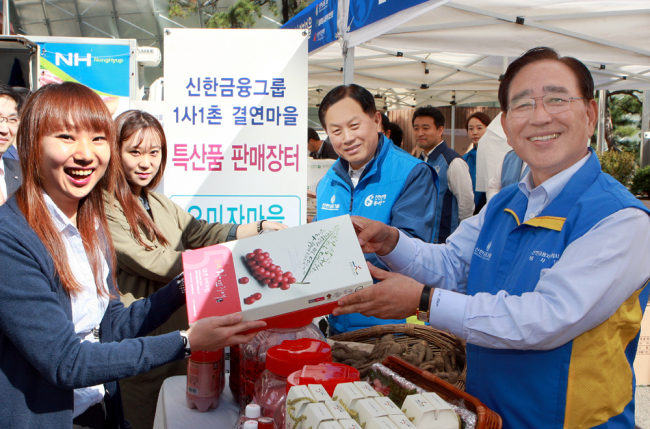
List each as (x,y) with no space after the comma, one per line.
(281,361)
(252,355)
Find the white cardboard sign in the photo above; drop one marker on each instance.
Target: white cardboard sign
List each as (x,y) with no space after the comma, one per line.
(236,124)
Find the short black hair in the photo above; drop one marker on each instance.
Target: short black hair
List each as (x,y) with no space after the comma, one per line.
(8,91)
(385,122)
(432,112)
(580,71)
(358,93)
(312,134)
(396,134)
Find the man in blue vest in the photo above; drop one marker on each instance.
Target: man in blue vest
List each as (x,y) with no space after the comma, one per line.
(372,178)
(456,193)
(548,283)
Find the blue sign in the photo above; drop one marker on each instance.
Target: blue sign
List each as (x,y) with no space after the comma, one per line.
(366,12)
(103,68)
(319,20)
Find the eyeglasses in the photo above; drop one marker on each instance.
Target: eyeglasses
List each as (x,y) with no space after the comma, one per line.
(553,103)
(9,121)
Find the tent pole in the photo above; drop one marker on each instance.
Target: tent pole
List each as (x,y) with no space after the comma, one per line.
(6,25)
(453,120)
(348,65)
(602,105)
(645,130)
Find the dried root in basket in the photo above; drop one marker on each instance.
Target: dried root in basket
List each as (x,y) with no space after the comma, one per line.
(445,365)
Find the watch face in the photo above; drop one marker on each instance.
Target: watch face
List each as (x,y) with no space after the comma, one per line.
(423,316)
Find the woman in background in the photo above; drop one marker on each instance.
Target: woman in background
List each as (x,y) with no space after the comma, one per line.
(65,337)
(476,126)
(150,233)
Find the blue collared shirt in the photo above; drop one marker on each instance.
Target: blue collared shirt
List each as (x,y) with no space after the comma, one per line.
(611,258)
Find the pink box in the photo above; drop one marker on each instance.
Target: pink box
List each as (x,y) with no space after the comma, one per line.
(323,259)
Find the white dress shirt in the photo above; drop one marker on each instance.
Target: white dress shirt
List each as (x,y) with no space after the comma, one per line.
(492,147)
(3,184)
(611,258)
(495,182)
(88,307)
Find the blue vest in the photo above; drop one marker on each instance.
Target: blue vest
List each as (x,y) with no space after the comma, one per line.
(447,209)
(470,159)
(378,189)
(569,386)
(511,169)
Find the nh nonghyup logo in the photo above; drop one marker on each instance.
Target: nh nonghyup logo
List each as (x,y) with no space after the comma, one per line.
(483,254)
(331,205)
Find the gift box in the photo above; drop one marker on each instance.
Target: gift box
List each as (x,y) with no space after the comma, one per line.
(285,278)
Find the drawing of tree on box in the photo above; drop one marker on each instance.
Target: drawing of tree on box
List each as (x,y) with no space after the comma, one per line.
(320,251)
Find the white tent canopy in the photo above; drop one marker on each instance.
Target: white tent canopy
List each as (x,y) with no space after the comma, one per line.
(457,50)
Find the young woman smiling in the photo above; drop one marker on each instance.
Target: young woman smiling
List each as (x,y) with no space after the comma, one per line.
(150,233)
(65,337)
(476,126)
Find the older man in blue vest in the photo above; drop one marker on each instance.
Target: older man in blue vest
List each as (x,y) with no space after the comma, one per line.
(548,283)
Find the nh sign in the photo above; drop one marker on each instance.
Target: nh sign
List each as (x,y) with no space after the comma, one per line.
(68,61)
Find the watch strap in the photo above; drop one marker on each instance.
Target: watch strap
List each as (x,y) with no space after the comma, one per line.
(186,343)
(425,298)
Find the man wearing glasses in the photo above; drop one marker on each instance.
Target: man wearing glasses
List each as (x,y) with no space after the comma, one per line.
(10,176)
(548,283)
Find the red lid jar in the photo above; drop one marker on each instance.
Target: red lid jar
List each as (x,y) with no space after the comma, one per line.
(328,375)
(282,360)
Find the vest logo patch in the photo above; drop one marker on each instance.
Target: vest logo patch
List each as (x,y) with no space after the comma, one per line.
(331,206)
(484,254)
(375,200)
(543,256)
(437,168)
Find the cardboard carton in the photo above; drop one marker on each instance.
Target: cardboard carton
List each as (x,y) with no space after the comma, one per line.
(318,262)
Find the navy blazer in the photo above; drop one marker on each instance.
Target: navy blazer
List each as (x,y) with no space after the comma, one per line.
(42,360)
(13,175)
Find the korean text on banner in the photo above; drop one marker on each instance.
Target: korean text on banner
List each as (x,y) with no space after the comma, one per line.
(235,120)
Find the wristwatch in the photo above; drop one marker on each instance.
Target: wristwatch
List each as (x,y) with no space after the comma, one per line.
(259,225)
(423,310)
(186,343)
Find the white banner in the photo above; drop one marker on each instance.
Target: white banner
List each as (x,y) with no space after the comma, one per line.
(236,124)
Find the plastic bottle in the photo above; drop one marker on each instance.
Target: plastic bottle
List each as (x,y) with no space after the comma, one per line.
(281,361)
(253,412)
(205,377)
(252,355)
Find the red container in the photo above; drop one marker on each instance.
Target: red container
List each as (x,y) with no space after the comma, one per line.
(328,375)
(282,360)
(205,379)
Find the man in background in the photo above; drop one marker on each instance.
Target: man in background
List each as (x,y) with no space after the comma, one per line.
(456,193)
(319,149)
(10,175)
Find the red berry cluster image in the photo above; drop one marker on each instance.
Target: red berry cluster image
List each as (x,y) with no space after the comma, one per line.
(262,268)
(251,299)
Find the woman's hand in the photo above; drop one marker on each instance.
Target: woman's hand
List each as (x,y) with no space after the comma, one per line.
(250,229)
(214,333)
(274,226)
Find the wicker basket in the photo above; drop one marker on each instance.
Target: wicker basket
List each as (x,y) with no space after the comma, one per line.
(487,419)
(409,334)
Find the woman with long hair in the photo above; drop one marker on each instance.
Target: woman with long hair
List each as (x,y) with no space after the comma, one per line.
(65,336)
(476,127)
(150,233)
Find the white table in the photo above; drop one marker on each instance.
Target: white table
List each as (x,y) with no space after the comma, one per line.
(172,411)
